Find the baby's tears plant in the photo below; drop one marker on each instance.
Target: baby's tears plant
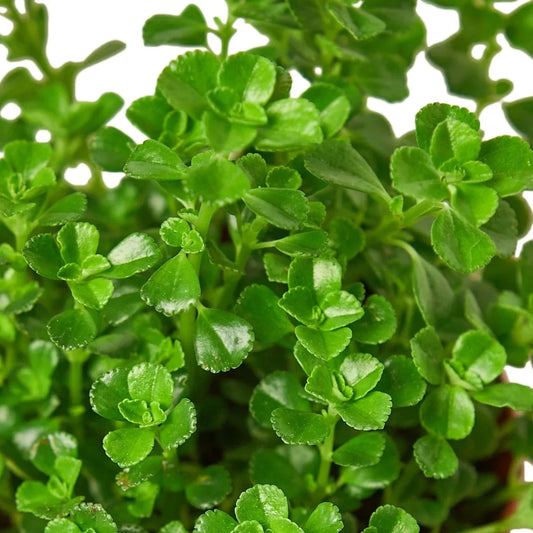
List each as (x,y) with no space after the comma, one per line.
(284,319)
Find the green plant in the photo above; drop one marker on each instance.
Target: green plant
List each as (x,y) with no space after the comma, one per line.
(284,319)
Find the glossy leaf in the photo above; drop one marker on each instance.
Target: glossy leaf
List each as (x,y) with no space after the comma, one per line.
(67,209)
(401,381)
(128,446)
(154,161)
(428,355)
(72,329)
(299,427)
(435,457)
(514,395)
(214,522)
(360,451)
(151,383)
(108,391)
(362,373)
(389,519)
(42,255)
(262,503)
(368,413)
(378,323)
(136,253)
(211,486)
(179,426)
(111,148)
(325,345)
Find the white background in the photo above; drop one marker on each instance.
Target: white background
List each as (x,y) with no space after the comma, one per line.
(78,26)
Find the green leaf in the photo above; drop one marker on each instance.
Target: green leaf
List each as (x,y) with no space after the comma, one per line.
(210,487)
(401,381)
(332,104)
(513,395)
(413,174)
(322,274)
(111,148)
(34,497)
(430,116)
(520,114)
(362,373)
(136,253)
(42,255)
(359,23)
(186,81)
(337,163)
(94,293)
(325,345)
(284,525)
(326,518)
(476,203)
(128,446)
(180,425)
(360,451)
(173,287)
(259,306)
(152,160)
(428,355)
(461,245)
(279,389)
(68,209)
(283,208)
(151,382)
(435,457)
(262,503)
(251,77)
(448,412)
(61,525)
(187,29)
(141,413)
(390,519)
(223,340)
(77,241)
(328,386)
(173,230)
(108,391)
(453,141)
(148,114)
(511,163)
(480,354)
(225,136)
(433,293)
(299,427)
(339,308)
(378,324)
(293,124)
(214,522)
(72,329)
(283,178)
(305,243)
(502,228)
(216,181)
(519,26)
(27,158)
(175,527)
(249,526)
(276,267)
(92,515)
(368,413)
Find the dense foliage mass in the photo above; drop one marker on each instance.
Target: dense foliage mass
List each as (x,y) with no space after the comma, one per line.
(283,319)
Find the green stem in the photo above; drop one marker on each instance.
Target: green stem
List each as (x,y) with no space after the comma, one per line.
(326,452)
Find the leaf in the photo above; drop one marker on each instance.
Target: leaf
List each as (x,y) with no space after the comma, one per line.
(325,518)
(368,413)
(279,389)
(210,487)
(283,208)
(480,354)
(227,136)
(128,446)
(283,178)
(520,114)
(152,160)
(518,28)
(173,230)
(339,308)
(430,116)
(61,525)
(179,426)
(413,174)
(276,267)
(259,306)
(108,391)
(92,515)
(34,497)
(390,519)
(173,287)
(359,23)
(110,148)
(454,141)
(332,104)
(214,522)
(305,243)
(293,124)
(402,382)
(476,203)
(148,114)
(252,77)
(72,329)
(378,324)
(27,158)
(151,383)
(513,395)
(337,163)
(223,340)
(325,345)
(68,209)
(448,412)
(299,427)
(187,29)
(502,228)
(248,526)
(461,245)
(94,293)
(136,253)
(362,373)
(186,81)
(77,241)
(435,457)
(360,451)
(216,181)
(428,355)
(262,503)
(433,293)
(42,255)
(511,163)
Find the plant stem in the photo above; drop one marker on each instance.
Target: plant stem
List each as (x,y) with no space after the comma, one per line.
(326,452)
